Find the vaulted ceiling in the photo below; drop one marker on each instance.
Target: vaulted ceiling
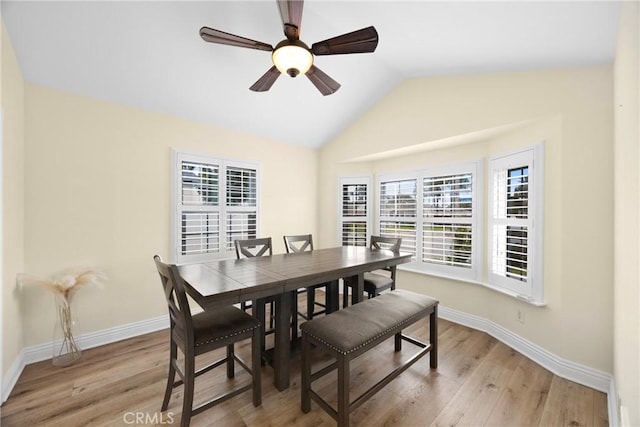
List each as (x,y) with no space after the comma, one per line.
(148,54)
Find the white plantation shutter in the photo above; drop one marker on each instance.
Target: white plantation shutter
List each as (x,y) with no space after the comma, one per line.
(241,204)
(397,206)
(437,214)
(199,208)
(217,202)
(447,228)
(514,263)
(354,211)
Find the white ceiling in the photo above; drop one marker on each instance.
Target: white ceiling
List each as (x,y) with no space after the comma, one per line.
(148,54)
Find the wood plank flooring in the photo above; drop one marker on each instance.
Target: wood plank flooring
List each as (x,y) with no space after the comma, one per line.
(479,382)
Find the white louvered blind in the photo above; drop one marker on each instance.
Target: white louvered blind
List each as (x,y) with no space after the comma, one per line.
(354,211)
(199,208)
(515,207)
(241,204)
(398,211)
(510,222)
(217,203)
(447,227)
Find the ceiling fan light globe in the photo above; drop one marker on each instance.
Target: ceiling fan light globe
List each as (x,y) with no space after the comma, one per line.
(292,59)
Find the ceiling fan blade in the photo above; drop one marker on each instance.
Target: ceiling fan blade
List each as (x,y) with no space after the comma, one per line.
(265,82)
(360,41)
(325,84)
(220,37)
(291,14)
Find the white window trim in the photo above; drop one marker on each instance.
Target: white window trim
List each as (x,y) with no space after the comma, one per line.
(533,289)
(354,180)
(176,157)
(475,272)
(399,176)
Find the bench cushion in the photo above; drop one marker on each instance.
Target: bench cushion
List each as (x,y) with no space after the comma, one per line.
(352,328)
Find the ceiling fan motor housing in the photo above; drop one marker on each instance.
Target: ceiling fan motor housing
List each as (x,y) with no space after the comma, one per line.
(292,57)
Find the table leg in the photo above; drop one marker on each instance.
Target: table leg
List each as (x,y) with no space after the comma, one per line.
(282,350)
(358,288)
(333,297)
(258,312)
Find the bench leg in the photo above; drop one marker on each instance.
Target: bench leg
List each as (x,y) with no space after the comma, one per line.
(398,341)
(305,386)
(343,391)
(433,337)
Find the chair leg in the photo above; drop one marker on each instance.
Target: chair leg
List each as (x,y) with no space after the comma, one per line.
(294,315)
(271,315)
(189,377)
(230,361)
(345,293)
(173,350)
(311,302)
(256,366)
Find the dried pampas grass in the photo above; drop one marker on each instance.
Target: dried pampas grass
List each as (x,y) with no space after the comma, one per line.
(65,283)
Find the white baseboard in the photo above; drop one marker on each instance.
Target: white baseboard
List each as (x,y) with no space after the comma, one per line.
(41,352)
(576,372)
(612,399)
(10,377)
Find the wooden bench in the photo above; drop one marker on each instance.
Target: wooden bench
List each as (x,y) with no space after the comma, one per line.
(348,333)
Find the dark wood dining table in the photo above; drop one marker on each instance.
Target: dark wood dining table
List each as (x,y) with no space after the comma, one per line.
(232,281)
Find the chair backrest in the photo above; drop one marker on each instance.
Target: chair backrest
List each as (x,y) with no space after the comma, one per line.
(253,247)
(179,310)
(300,243)
(389,243)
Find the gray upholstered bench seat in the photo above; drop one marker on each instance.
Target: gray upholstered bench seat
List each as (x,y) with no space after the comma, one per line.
(348,333)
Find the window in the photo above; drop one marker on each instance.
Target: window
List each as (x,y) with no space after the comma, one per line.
(354,211)
(216,203)
(397,211)
(436,213)
(439,214)
(451,221)
(515,223)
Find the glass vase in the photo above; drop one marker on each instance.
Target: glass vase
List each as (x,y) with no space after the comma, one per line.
(65,349)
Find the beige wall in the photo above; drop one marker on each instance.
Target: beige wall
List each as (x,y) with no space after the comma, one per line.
(12,190)
(98,192)
(571,110)
(627,213)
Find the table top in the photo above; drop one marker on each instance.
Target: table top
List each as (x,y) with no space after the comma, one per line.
(232,281)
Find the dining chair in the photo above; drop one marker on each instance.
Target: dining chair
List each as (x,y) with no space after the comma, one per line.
(377,281)
(201,333)
(249,248)
(303,243)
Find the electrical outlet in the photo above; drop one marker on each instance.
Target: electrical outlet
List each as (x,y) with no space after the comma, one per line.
(520,316)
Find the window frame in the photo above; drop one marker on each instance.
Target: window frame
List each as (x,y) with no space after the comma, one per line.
(475,168)
(354,180)
(474,272)
(532,289)
(223,252)
(397,177)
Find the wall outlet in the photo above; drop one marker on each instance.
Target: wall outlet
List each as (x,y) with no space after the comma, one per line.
(520,316)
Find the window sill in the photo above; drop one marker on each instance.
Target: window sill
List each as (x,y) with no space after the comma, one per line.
(525,299)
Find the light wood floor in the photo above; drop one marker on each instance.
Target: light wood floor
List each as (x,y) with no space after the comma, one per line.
(479,382)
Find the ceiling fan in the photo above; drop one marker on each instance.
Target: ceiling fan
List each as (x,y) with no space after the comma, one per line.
(291,55)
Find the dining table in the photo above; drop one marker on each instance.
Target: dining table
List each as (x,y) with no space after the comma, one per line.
(230,281)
